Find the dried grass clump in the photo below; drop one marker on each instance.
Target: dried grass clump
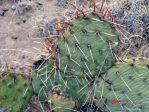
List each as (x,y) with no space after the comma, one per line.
(131,13)
(134,17)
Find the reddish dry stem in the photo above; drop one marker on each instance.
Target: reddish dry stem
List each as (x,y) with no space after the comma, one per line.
(94,4)
(101,9)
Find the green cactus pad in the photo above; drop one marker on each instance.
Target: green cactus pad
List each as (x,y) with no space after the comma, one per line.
(125,87)
(86,47)
(79,56)
(15,92)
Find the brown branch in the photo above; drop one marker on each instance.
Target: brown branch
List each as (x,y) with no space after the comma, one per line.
(102,4)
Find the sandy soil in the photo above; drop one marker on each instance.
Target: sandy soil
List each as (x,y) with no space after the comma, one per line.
(19,44)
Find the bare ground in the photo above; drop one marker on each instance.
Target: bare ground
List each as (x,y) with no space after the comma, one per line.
(20,45)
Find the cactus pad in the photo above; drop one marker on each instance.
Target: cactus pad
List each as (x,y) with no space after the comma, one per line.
(125,87)
(15,92)
(81,54)
(86,47)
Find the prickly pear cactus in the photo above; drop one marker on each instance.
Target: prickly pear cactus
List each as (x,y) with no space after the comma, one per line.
(125,87)
(15,92)
(86,47)
(84,52)
(81,67)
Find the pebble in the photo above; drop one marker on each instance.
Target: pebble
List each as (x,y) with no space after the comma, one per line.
(14,37)
(2,12)
(38,2)
(23,19)
(13,7)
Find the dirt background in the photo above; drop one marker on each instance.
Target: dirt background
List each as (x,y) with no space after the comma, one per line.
(21,41)
(20,44)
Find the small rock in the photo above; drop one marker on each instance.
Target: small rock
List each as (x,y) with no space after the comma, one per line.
(18,22)
(13,7)
(23,56)
(14,37)
(38,2)
(2,12)
(23,19)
